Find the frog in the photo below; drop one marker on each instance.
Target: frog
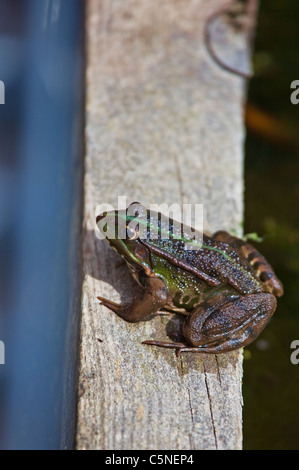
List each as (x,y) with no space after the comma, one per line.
(224,287)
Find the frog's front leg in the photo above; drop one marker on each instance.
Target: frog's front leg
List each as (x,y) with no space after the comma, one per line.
(154,297)
(224,323)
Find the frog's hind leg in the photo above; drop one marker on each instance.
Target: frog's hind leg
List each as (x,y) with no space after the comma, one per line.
(224,323)
(263,270)
(183,347)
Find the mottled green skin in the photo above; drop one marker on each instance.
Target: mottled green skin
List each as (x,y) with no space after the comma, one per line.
(185,289)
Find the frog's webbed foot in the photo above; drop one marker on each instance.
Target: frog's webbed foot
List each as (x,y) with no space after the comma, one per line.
(130,312)
(116,308)
(180,347)
(184,347)
(153,299)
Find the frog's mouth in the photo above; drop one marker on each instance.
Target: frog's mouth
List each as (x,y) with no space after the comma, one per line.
(135,264)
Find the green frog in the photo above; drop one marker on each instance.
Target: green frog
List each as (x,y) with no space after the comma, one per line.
(223,285)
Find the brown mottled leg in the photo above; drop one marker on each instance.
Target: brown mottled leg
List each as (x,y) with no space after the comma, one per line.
(223,323)
(263,270)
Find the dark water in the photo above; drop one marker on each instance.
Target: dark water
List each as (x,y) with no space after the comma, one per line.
(271,381)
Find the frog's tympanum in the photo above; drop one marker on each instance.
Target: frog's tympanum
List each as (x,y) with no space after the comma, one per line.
(225,287)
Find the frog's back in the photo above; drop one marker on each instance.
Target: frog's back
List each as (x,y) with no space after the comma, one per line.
(223,262)
(219,263)
(236,262)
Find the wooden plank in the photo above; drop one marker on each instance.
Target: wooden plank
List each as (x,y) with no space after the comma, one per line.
(164,124)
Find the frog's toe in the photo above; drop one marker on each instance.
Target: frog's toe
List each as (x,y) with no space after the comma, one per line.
(180,347)
(116,308)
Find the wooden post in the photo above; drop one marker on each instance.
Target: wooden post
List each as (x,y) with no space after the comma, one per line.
(164,124)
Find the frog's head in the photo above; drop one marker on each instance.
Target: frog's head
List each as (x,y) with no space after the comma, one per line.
(124,230)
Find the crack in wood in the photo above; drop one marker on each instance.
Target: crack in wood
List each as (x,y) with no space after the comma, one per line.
(218,371)
(211,407)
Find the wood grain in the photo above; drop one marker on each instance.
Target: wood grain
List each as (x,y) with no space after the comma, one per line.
(164,124)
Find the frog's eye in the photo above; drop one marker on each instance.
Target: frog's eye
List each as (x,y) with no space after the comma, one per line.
(132,234)
(140,252)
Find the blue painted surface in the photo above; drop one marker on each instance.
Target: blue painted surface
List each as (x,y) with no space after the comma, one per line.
(40,250)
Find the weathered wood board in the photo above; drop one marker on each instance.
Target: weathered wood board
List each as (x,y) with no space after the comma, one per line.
(164,124)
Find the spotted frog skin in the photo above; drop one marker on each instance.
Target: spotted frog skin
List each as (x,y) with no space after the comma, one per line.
(226,288)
